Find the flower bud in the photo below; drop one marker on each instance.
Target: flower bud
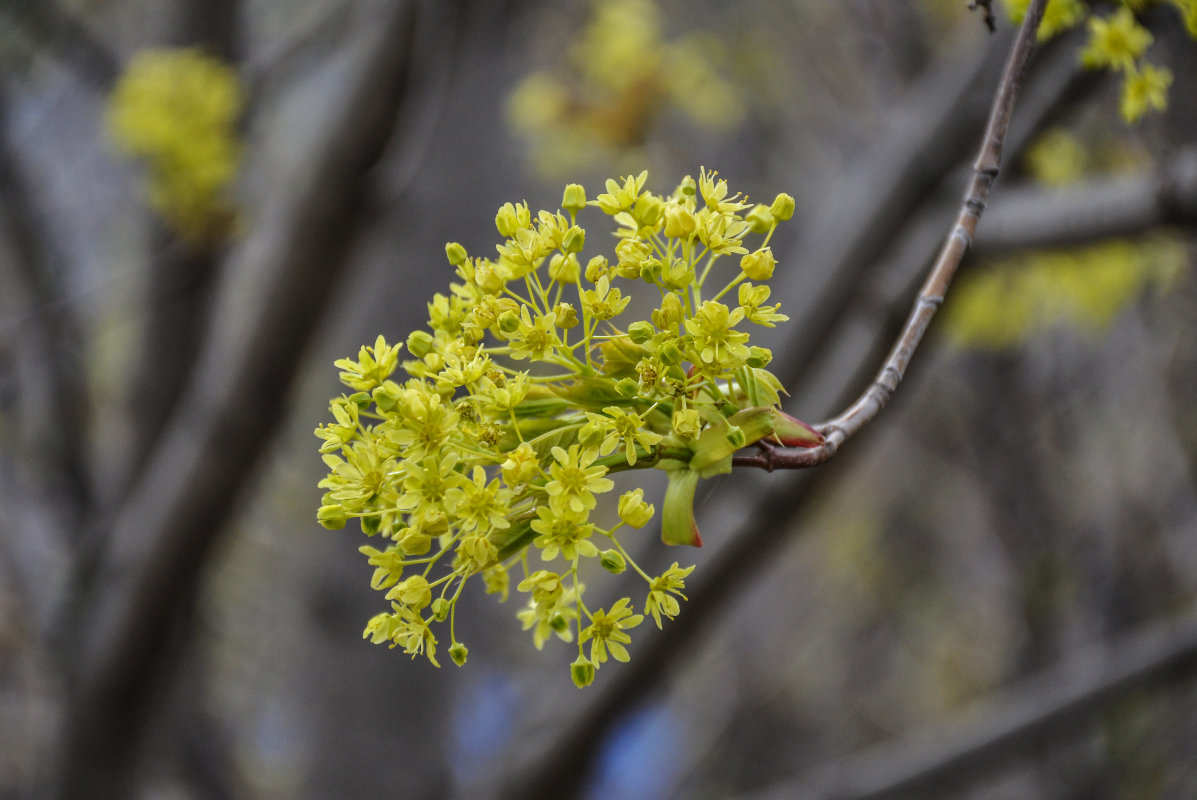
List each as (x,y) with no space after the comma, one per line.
(641,331)
(458,652)
(650,270)
(670,354)
(413,592)
(670,314)
(687,188)
(679,222)
(440,609)
(574,240)
(759,356)
(613,561)
(419,343)
(455,253)
(760,220)
(582,671)
(783,207)
(332,517)
(686,422)
(596,268)
(509,321)
(564,269)
(567,315)
(574,199)
(759,265)
(633,510)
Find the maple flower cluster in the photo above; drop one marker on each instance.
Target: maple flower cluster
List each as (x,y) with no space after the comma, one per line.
(1117,42)
(531,386)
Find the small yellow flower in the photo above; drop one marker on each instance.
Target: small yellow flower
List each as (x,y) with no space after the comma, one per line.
(1144,90)
(1116,42)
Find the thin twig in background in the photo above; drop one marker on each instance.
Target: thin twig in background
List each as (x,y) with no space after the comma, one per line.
(838,429)
(1056,698)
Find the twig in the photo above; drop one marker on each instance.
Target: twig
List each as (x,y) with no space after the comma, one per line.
(1038,218)
(1060,697)
(838,429)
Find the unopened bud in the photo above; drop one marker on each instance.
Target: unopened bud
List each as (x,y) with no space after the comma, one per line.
(641,331)
(440,609)
(613,561)
(567,315)
(783,207)
(455,253)
(633,510)
(574,198)
(759,266)
(760,220)
(419,343)
(582,672)
(574,240)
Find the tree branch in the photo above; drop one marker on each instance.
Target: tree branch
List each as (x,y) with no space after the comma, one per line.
(1061,697)
(1029,218)
(68,38)
(840,428)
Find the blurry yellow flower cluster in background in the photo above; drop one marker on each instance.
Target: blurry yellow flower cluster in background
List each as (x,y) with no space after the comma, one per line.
(622,75)
(177,109)
(1117,42)
(1003,304)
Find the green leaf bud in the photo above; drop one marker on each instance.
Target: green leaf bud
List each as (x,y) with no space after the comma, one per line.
(613,561)
(783,207)
(641,331)
(419,343)
(564,269)
(633,510)
(582,672)
(458,652)
(596,268)
(455,253)
(759,265)
(440,609)
(574,199)
(760,219)
(332,517)
(574,240)
(759,356)
(567,315)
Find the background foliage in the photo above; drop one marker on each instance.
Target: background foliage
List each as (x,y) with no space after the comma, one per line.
(174,622)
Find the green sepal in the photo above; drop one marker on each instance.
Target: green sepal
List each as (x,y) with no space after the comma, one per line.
(677,514)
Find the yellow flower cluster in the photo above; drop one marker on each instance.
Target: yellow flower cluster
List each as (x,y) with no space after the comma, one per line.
(177,110)
(623,74)
(1003,305)
(1117,42)
(530,387)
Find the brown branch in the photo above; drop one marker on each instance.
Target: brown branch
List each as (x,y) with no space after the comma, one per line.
(127,629)
(840,428)
(1029,218)
(67,38)
(1057,699)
